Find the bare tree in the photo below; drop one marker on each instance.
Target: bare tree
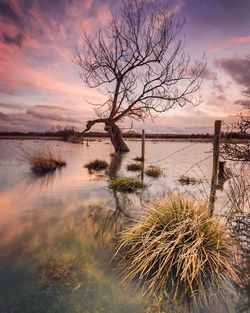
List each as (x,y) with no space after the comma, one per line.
(139,57)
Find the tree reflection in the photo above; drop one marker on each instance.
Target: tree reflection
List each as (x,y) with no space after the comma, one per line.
(108,222)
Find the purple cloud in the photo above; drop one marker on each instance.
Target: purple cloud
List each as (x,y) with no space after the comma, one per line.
(16,40)
(238,68)
(4,117)
(51,107)
(52,116)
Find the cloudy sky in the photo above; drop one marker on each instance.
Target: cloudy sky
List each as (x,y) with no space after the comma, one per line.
(40,85)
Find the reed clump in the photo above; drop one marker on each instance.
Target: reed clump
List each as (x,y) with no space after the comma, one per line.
(97,165)
(178,249)
(43,160)
(153,171)
(125,184)
(189,180)
(134,167)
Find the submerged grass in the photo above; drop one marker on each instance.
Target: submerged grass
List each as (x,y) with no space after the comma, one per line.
(135,167)
(189,180)
(97,165)
(125,184)
(179,249)
(59,270)
(43,160)
(153,171)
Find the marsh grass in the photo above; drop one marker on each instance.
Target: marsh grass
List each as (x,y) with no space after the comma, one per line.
(153,171)
(125,184)
(138,159)
(43,160)
(177,248)
(75,139)
(97,165)
(134,167)
(189,180)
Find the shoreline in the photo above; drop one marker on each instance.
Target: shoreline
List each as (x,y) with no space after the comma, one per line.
(151,138)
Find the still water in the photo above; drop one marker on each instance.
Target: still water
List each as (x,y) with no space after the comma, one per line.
(56,232)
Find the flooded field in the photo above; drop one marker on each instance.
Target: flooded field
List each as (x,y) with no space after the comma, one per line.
(57,231)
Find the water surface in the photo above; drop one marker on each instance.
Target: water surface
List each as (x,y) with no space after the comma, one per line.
(56,231)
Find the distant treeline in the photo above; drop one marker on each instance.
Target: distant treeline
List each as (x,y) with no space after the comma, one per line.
(64,134)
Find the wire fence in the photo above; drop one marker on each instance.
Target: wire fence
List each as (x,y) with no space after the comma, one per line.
(196,164)
(172,154)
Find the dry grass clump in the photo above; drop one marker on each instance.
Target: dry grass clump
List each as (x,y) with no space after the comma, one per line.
(44,160)
(188,180)
(138,159)
(97,165)
(179,249)
(125,184)
(134,167)
(153,171)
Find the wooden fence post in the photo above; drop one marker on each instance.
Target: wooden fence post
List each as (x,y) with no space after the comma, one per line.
(142,154)
(143,146)
(216,155)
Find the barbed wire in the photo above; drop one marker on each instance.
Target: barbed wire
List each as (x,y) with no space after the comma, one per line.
(197,163)
(170,155)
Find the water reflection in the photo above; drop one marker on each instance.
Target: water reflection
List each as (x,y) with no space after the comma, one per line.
(63,267)
(115,164)
(42,181)
(57,231)
(57,258)
(107,222)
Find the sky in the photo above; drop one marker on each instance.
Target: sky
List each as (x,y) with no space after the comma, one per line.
(40,86)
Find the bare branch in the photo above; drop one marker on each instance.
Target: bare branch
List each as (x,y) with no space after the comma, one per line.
(139,59)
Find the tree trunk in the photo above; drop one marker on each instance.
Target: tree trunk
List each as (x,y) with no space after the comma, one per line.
(116,137)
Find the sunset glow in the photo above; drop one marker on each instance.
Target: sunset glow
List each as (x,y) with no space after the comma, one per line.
(40,84)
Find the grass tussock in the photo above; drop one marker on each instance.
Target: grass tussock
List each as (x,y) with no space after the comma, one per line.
(153,171)
(179,249)
(44,160)
(189,180)
(134,167)
(125,184)
(138,159)
(97,165)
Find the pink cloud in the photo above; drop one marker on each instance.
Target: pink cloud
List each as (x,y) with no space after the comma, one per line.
(241,39)
(42,72)
(230,42)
